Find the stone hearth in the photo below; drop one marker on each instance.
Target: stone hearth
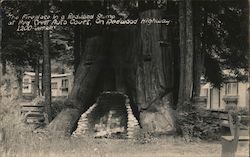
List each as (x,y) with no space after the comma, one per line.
(110,117)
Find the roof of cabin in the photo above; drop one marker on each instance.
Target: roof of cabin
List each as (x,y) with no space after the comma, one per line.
(52,75)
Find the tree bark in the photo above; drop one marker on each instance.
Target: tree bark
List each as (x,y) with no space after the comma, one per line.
(1,74)
(87,73)
(126,47)
(120,50)
(182,34)
(190,52)
(4,70)
(83,91)
(154,92)
(47,69)
(19,74)
(186,54)
(36,84)
(198,53)
(64,124)
(77,47)
(249,48)
(42,79)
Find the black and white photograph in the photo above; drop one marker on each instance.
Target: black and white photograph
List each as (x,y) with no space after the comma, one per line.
(124,78)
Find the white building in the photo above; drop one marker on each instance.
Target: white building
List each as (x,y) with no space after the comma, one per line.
(231,92)
(61,84)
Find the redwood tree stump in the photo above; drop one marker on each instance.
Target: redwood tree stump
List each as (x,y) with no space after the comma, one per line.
(153,81)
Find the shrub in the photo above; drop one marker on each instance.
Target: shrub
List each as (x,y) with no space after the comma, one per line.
(238,110)
(11,121)
(57,105)
(198,124)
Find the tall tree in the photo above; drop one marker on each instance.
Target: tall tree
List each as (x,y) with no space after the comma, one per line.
(200,19)
(1,26)
(36,83)
(85,84)
(77,47)
(249,48)
(182,45)
(146,78)
(189,53)
(153,82)
(47,67)
(186,53)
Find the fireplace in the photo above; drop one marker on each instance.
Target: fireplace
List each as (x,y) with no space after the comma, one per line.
(110,117)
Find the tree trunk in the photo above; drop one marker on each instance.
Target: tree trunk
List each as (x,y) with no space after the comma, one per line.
(186,62)
(36,84)
(3,66)
(119,49)
(42,78)
(190,52)
(186,54)
(182,34)
(19,74)
(249,49)
(83,91)
(1,74)
(47,69)
(64,124)
(198,53)
(87,73)
(154,92)
(125,63)
(77,47)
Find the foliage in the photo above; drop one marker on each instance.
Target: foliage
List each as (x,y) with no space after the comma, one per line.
(224,38)
(243,110)
(57,105)
(198,124)
(8,85)
(213,72)
(24,49)
(24,53)
(11,121)
(144,137)
(236,111)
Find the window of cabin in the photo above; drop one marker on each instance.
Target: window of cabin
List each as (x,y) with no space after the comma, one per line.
(204,92)
(231,88)
(65,83)
(26,87)
(54,85)
(25,81)
(26,84)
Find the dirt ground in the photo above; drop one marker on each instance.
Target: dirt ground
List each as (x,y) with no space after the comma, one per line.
(165,147)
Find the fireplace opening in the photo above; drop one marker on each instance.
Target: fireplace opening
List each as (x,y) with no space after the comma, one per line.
(110,117)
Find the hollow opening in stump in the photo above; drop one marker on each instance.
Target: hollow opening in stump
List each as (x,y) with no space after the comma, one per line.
(110,117)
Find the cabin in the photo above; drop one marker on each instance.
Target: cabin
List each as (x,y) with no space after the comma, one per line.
(61,84)
(232,92)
